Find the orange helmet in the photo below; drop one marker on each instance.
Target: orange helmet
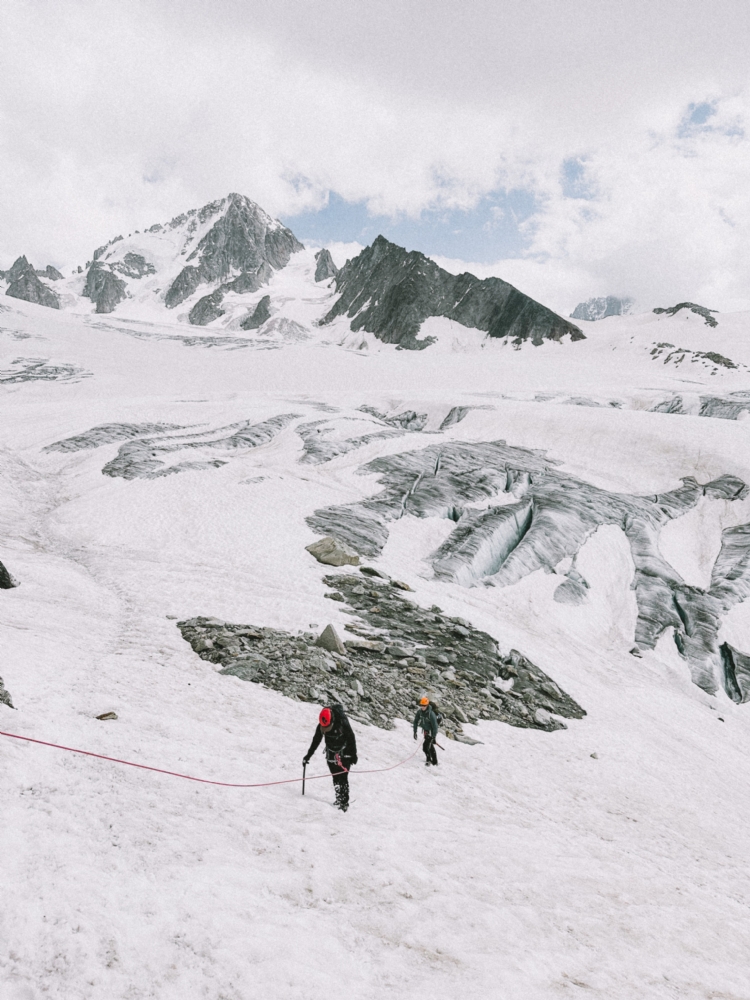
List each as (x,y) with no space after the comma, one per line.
(424,702)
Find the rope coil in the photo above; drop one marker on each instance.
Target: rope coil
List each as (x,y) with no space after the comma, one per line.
(203,781)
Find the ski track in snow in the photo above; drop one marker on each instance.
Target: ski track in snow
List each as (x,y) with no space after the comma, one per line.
(521,867)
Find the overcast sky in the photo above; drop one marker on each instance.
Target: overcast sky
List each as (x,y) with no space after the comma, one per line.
(574,148)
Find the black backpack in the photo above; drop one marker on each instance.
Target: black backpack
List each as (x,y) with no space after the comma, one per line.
(438,714)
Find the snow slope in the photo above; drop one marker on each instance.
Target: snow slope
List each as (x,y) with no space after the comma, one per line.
(522,867)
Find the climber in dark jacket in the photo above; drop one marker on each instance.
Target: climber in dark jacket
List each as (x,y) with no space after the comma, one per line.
(341,749)
(427,719)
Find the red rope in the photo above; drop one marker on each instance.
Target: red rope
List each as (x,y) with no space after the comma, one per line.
(189,777)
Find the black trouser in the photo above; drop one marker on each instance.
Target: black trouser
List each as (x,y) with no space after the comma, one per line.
(340,780)
(429,748)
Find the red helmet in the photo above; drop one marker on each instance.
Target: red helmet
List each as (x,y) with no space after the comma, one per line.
(325,718)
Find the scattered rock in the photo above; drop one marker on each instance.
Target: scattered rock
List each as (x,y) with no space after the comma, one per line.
(400,585)
(595,756)
(106,716)
(332,552)
(397,658)
(329,639)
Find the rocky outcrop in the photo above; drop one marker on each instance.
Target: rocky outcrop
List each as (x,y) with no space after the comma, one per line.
(596,309)
(259,315)
(390,293)
(7,580)
(134,265)
(396,652)
(698,310)
(103,287)
(553,515)
(5,698)
(324,266)
(209,308)
(242,239)
(51,273)
(24,283)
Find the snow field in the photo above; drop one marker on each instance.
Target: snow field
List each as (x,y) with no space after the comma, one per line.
(519,868)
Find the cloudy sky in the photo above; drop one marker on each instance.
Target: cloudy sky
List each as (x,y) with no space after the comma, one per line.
(574,148)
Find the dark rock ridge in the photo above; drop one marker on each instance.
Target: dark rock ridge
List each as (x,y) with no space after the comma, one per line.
(7,580)
(389,292)
(698,310)
(24,283)
(242,239)
(729,407)
(259,315)
(396,651)
(103,287)
(550,518)
(324,266)
(596,309)
(5,698)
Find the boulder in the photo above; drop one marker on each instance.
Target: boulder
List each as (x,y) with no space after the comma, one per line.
(329,639)
(7,580)
(5,698)
(332,552)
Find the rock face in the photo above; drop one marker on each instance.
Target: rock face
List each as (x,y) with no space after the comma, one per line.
(7,581)
(242,239)
(698,310)
(736,673)
(389,292)
(595,309)
(24,283)
(552,517)
(324,266)
(259,315)
(103,287)
(209,307)
(333,553)
(5,698)
(398,651)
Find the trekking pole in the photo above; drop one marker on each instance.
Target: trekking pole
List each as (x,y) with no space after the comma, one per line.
(304,768)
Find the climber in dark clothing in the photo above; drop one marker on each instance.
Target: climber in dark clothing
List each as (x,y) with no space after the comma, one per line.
(427,719)
(341,750)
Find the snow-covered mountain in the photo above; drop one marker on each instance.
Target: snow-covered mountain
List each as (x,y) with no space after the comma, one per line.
(601,308)
(553,543)
(213,265)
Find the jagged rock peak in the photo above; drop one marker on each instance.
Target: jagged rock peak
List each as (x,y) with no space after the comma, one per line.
(24,283)
(601,308)
(324,266)
(390,292)
(241,239)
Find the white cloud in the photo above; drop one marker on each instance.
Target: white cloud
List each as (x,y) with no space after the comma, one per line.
(118,115)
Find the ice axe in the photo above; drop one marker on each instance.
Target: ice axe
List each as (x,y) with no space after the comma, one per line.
(304,768)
